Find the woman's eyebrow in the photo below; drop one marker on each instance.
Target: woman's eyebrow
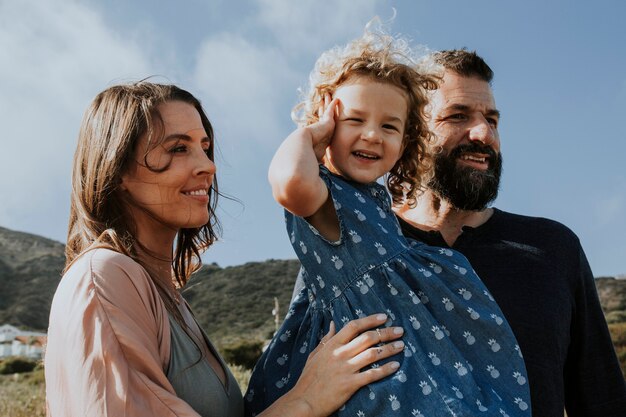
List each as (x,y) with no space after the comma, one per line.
(184,137)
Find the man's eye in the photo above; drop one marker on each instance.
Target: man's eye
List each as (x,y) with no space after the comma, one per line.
(493,122)
(457,116)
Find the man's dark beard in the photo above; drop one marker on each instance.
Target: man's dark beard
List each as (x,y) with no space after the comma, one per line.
(464,187)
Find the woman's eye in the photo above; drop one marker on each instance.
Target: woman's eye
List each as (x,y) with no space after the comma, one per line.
(178,149)
(391,127)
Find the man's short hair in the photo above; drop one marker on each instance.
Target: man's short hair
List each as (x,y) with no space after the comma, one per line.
(465,63)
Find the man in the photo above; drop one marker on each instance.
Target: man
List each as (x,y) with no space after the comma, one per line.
(535,268)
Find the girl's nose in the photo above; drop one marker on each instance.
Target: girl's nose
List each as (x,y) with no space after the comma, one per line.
(371,135)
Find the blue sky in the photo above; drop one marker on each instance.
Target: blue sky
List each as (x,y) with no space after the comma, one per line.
(560,84)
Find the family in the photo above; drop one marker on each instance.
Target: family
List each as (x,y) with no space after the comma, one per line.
(415,298)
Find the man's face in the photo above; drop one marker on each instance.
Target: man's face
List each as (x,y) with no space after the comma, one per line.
(465,120)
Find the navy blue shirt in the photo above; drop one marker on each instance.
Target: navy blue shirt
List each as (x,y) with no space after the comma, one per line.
(539,275)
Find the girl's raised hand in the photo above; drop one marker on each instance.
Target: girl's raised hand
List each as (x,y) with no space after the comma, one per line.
(334,370)
(294,170)
(322,130)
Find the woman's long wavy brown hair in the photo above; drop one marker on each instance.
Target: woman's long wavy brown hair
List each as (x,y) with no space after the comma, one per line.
(111,129)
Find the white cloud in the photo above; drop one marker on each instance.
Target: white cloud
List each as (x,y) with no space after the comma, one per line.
(311,26)
(249,88)
(56,55)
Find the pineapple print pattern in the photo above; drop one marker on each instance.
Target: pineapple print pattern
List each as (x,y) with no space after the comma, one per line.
(455,337)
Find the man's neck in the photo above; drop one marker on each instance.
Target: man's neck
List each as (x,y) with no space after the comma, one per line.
(433,213)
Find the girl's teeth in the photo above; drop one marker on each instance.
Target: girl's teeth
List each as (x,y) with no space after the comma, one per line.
(359,154)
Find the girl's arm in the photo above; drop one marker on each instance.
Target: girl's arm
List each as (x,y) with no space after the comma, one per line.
(332,373)
(294,171)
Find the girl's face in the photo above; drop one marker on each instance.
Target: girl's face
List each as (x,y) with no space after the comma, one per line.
(178,196)
(369,130)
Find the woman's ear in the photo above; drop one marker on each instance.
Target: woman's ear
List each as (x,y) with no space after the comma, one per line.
(121,184)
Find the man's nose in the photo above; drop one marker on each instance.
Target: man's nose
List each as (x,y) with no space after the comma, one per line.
(483,132)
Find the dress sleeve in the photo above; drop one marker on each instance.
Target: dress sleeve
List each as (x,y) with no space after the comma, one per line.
(109,343)
(594,385)
(326,176)
(297,226)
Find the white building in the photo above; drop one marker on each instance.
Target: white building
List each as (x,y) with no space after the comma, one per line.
(16,342)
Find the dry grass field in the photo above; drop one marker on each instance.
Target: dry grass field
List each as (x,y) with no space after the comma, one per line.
(23,395)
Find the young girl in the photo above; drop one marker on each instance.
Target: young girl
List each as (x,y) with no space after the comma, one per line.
(122,341)
(460,355)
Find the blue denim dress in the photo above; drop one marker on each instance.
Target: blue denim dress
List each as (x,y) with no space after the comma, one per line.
(460,358)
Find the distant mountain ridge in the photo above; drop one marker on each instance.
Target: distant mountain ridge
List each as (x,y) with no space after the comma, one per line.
(30,269)
(18,248)
(230,303)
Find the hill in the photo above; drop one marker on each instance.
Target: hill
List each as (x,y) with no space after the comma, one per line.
(30,269)
(612,293)
(230,303)
(237,302)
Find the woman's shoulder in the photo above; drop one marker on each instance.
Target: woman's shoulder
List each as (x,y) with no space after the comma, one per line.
(107,269)
(105,259)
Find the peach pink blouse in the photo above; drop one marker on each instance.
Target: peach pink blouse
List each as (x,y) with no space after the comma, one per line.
(109,343)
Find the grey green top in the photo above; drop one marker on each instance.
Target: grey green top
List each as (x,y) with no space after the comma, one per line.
(196,382)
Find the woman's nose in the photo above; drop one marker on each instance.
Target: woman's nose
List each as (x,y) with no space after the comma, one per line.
(204,164)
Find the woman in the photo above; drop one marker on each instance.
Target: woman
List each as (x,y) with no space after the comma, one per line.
(122,341)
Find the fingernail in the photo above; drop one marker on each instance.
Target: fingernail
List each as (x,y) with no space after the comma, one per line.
(381,317)
(399,344)
(398,330)
(394,365)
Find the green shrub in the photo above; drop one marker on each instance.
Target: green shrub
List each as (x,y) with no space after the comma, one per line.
(35,378)
(245,353)
(242,375)
(618,334)
(16,365)
(617,316)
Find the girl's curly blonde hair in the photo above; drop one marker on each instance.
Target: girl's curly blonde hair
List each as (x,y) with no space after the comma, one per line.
(385,59)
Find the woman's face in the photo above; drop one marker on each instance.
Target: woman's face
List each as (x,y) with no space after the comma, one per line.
(177,197)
